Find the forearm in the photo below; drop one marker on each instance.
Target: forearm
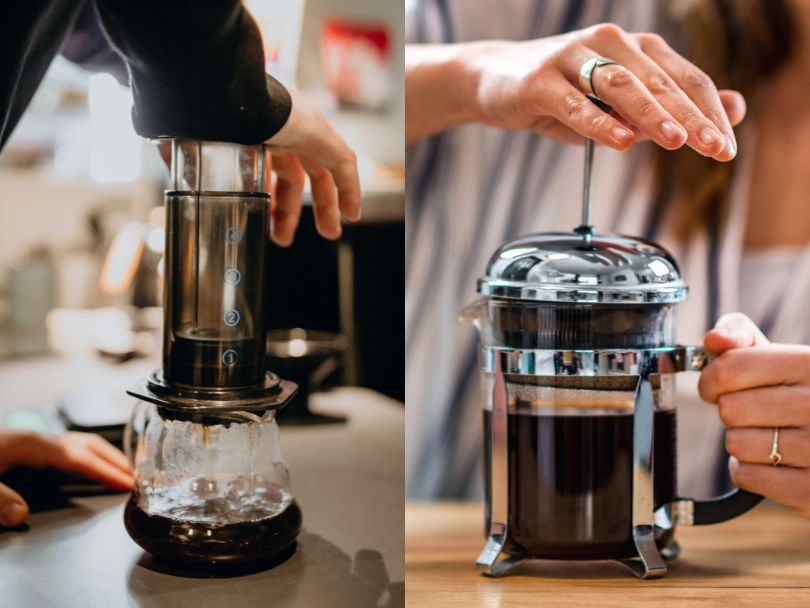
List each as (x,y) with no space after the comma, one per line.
(440,88)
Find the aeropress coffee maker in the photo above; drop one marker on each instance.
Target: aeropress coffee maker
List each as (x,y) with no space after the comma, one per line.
(578,361)
(211,486)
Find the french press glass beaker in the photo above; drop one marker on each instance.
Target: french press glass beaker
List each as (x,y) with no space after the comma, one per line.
(210,482)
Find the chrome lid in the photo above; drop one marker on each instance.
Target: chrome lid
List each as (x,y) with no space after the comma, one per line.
(583,267)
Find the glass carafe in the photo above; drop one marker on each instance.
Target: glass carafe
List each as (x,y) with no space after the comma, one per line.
(578,360)
(209,491)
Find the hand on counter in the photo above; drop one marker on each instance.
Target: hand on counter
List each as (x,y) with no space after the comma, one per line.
(83,453)
(758,386)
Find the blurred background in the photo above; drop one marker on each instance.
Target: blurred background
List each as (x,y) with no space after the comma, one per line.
(81,217)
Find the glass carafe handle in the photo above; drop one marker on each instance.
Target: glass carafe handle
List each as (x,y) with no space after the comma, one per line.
(688,511)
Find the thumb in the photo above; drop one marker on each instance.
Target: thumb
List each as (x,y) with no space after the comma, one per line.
(13,510)
(733,330)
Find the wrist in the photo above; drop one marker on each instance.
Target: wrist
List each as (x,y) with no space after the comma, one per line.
(470,62)
(462,70)
(441,87)
(289,132)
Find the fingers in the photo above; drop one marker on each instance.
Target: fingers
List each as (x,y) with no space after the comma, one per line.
(104,449)
(698,87)
(751,367)
(766,407)
(733,330)
(703,135)
(669,99)
(324,199)
(734,105)
(787,485)
(576,111)
(165,151)
(87,455)
(753,445)
(98,469)
(619,87)
(13,510)
(309,136)
(286,205)
(347,180)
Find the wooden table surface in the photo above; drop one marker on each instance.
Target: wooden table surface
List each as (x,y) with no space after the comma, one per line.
(761,559)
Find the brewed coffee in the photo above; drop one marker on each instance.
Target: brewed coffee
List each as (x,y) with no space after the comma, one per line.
(570,480)
(214,317)
(203,542)
(199,361)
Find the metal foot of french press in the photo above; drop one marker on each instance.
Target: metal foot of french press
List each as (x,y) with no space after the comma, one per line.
(649,563)
(490,562)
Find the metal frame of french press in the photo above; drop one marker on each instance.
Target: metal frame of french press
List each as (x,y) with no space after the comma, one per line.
(644,363)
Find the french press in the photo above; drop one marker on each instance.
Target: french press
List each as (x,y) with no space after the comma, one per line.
(210,482)
(578,361)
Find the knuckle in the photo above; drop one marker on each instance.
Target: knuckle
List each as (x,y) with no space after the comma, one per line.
(718,118)
(727,409)
(651,40)
(722,374)
(317,172)
(610,31)
(598,123)
(695,78)
(692,120)
(660,84)
(618,77)
(576,106)
(648,110)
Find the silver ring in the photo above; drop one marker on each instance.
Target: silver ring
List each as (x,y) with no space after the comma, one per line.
(775,456)
(586,74)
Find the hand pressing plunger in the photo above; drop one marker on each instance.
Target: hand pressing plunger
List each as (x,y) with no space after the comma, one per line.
(83,453)
(763,393)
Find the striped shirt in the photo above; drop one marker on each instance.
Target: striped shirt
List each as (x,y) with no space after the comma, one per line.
(472,188)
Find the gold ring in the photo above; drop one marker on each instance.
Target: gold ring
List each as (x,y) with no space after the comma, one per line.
(775,456)
(586,74)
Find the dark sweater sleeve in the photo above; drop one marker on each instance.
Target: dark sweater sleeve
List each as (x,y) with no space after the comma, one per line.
(196,69)
(89,48)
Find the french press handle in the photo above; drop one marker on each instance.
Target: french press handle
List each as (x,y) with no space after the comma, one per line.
(722,508)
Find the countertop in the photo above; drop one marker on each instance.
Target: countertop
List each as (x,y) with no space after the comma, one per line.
(348,479)
(760,559)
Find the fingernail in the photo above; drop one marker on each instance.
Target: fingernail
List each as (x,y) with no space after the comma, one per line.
(670,130)
(620,135)
(731,146)
(723,331)
(13,515)
(709,136)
